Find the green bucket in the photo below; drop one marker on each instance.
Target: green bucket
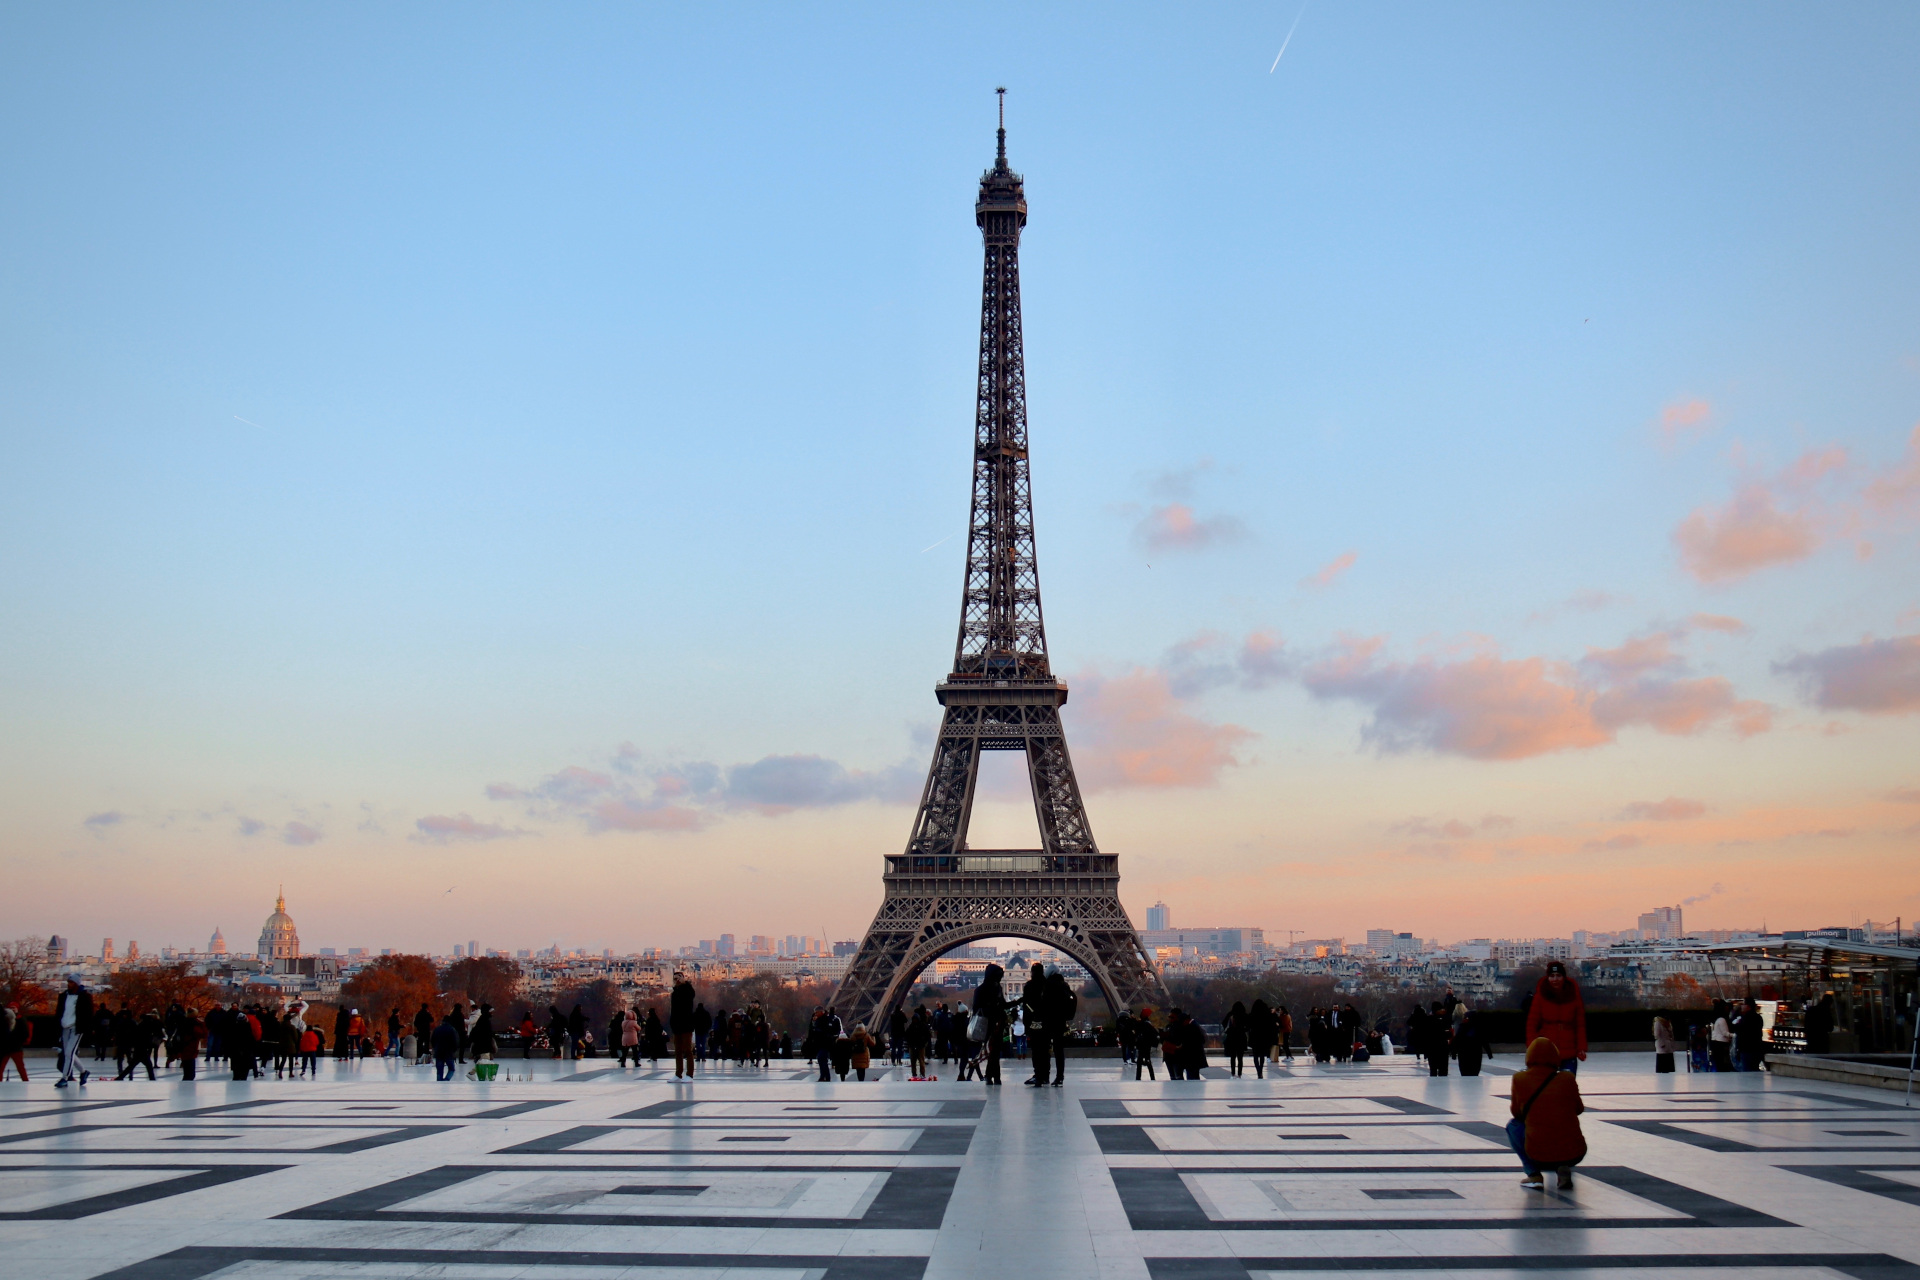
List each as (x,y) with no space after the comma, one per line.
(486,1070)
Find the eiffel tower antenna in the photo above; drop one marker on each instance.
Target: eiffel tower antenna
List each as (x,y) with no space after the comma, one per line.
(1001,695)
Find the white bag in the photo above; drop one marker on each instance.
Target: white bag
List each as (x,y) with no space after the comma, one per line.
(977,1028)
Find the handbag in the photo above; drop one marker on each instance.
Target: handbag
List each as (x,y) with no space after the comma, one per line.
(977,1028)
(1517,1127)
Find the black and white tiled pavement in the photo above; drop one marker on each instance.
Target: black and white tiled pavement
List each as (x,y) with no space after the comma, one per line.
(375,1172)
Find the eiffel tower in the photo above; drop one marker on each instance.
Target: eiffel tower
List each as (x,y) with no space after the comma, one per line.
(1000,696)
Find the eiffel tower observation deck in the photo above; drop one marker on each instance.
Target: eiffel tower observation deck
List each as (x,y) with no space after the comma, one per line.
(1001,695)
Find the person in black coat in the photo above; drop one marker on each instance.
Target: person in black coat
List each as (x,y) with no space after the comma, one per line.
(1233,1035)
(897,1035)
(1469,1046)
(446,1044)
(1193,1045)
(990,1003)
(1263,1032)
(482,1040)
(422,1031)
(680,1007)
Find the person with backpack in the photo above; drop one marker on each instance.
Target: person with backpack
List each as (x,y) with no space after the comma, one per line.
(1545,1129)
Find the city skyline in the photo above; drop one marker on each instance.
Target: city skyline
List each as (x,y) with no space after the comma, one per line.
(1478,483)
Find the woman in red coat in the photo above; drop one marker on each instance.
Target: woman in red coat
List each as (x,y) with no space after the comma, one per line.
(1559,1014)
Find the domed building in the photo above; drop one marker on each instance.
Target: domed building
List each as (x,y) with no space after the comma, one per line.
(279,940)
(216,945)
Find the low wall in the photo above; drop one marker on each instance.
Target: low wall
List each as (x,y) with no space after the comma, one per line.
(1812,1066)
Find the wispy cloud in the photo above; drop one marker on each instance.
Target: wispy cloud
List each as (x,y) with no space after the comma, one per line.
(300,834)
(1780,518)
(688,795)
(1173,526)
(98,823)
(1329,573)
(440,828)
(1682,418)
(1879,677)
(1672,809)
(1210,660)
(1130,731)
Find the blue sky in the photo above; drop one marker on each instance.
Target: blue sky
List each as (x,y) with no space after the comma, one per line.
(398,404)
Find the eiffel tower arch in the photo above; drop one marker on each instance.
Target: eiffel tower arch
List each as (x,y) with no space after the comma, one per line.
(1000,696)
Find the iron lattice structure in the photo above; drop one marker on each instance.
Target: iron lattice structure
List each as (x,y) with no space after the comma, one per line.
(1000,696)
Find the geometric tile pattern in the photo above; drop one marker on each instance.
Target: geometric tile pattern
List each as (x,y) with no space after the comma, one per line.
(374,1172)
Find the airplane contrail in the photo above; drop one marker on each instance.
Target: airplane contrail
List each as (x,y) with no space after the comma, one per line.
(1287,41)
(924,550)
(249,422)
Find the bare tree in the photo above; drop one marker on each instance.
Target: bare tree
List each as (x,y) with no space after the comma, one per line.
(23,967)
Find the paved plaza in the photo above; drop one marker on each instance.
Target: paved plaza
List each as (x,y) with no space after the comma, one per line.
(588,1172)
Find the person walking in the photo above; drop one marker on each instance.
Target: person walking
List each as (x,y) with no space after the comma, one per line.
(919,1042)
(1560,1014)
(1033,1011)
(529,1031)
(1263,1029)
(897,1035)
(480,1037)
(1233,1038)
(1662,1045)
(1062,1004)
(192,1032)
(630,1038)
(680,1006)
(1749,1036)
(990,1006)
(446,1046)
(1469,1046)
(1439,1032)
(1546,1106)
(75,1014)
(310,1053)
(861,1046)
(1145,1037)
(1720,1039)
(15,1033)
(702,1030)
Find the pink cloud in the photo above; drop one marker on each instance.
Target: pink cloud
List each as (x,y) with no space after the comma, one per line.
(440,828)
(630,815)
(1682,418)
(1484,707)
(1645,653)
(299,834)
(1782,519)
(1681,706)
(1897,490)
(1672,809)
(1130,731)
(1174,527)
(1329,573)
(1718,622)
(1751,532)
(1879,677)
(1487,707)
(1613,843)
